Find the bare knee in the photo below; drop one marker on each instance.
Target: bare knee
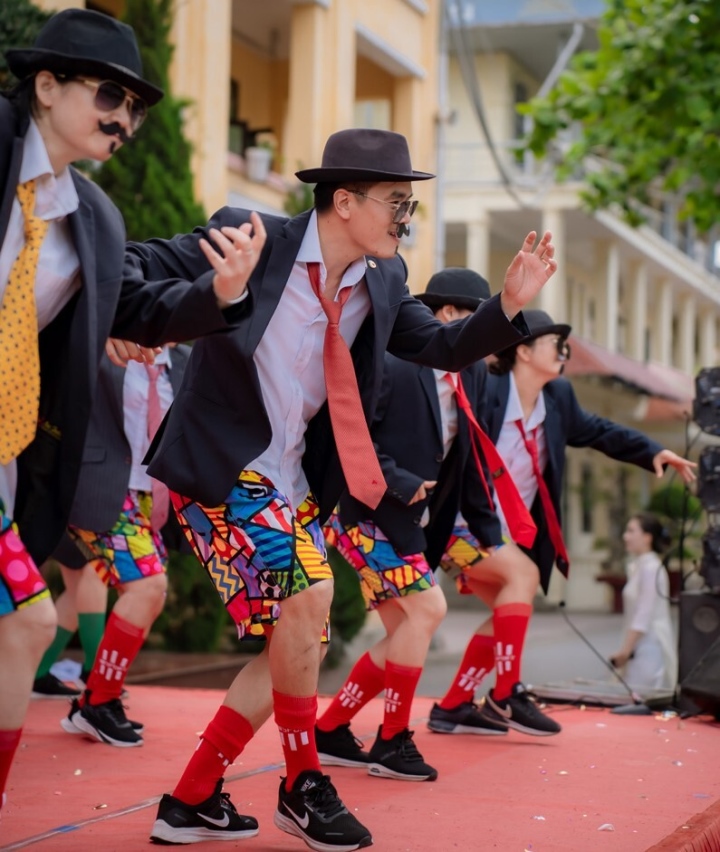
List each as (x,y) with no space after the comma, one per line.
(426,608)
(33,628)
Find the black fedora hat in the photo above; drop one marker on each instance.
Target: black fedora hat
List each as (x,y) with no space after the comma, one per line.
(363,154)
(79,41)
(456,285)
(540,322)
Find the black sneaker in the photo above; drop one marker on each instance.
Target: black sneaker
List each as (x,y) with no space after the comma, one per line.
(340,747)
(214,819)
(520,712)
(83,679)
(70,727)
(463,719)
(399,758)
(313,811)
(49,686)
(104,722)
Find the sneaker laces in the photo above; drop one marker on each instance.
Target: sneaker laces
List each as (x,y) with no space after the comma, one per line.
(324,798)
(407,747)
(344,733)
(117,710)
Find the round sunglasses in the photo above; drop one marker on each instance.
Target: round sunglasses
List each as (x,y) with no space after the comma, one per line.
(401,208)
(109,96)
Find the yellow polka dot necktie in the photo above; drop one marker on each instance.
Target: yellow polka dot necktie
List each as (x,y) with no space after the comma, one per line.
(19,355)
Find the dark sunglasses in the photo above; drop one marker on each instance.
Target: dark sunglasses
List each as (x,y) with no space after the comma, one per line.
(109,96)
(401,208)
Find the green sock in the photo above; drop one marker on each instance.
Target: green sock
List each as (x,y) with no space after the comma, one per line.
(62,637)
(91,626)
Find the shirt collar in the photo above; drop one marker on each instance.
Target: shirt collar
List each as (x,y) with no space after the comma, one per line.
(514,410)
(56,195)
(310,252)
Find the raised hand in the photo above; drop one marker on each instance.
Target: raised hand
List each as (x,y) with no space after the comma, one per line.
(528,272)
(239,251)
(122,351)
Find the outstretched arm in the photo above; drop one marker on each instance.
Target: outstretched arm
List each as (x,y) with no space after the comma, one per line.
(681,465)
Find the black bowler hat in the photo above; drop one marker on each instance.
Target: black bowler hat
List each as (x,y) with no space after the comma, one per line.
(540,323)
(78,41)
(362,154)
(457,286)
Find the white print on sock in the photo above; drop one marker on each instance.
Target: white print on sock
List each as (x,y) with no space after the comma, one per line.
(472,678)
(392,701)
(504,659)
(289,739)
(109,666)
(350,695)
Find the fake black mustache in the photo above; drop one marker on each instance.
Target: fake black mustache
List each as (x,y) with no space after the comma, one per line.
(403,230)
(115,129)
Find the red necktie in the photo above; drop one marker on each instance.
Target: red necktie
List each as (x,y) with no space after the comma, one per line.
(551,518)
(359,461)
(160,493)
(521,526)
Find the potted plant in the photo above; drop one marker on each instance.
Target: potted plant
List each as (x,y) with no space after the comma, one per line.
(258,159)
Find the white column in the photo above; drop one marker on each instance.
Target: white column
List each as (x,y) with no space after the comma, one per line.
(478,247)
(638,307)
(686,335)
(553,297)
(661,332)
(708,337)
(612,295)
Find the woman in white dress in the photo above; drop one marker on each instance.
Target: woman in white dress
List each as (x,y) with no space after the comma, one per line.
(649,649)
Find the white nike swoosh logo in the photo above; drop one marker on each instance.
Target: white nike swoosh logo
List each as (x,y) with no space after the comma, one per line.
(304,822)
(220,823)
(507,713)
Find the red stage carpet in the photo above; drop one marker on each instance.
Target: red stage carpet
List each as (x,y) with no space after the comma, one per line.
(608,782)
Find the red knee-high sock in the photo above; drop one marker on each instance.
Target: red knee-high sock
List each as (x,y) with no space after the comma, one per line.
(364,682)
(120,644)
(221,742)
(510,623)
(400,685)
(9,741)
(478,661)
(295,716)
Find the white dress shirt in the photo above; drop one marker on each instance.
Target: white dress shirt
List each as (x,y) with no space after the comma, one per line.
(289,361)
(136,385)
(448,407)
(512,449)
(58,267)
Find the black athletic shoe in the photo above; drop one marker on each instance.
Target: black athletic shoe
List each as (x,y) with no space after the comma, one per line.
(340,747)
(313,811)
(214,819)
(463,719)
(70,727)
(520,712)
(83,679)
(399,758)
(49,686)
(104,722)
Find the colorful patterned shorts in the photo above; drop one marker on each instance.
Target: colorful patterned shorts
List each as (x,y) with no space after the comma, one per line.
(256,551)
(462,549)
(383,573)
(131,550)
(21,584)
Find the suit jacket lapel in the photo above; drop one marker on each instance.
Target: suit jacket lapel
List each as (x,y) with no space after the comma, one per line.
(499,396)
(11,171)
(555,447)
(382,321)
(84,328)
(266,292)
(429,385)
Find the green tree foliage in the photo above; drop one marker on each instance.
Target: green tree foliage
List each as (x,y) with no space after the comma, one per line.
(150,178)
(648,107)
(20,22)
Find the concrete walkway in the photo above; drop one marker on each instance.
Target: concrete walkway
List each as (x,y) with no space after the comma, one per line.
(553,651)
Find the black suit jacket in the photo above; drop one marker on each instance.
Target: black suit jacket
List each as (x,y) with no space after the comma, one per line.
(72,345)
(407,432)
(566,425)
(218,423)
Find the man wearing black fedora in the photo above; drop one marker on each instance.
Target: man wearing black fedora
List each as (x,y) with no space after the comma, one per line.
(81,95)
(532,415)
(270,427)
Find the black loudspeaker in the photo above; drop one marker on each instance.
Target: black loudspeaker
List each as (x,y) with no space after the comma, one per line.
(702,685)
(699,630)
(708,490)
(710,563)
(706,405)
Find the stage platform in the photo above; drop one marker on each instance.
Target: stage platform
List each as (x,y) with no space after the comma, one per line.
(607,783)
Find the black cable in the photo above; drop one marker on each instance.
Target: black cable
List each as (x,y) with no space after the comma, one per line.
(633,695)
